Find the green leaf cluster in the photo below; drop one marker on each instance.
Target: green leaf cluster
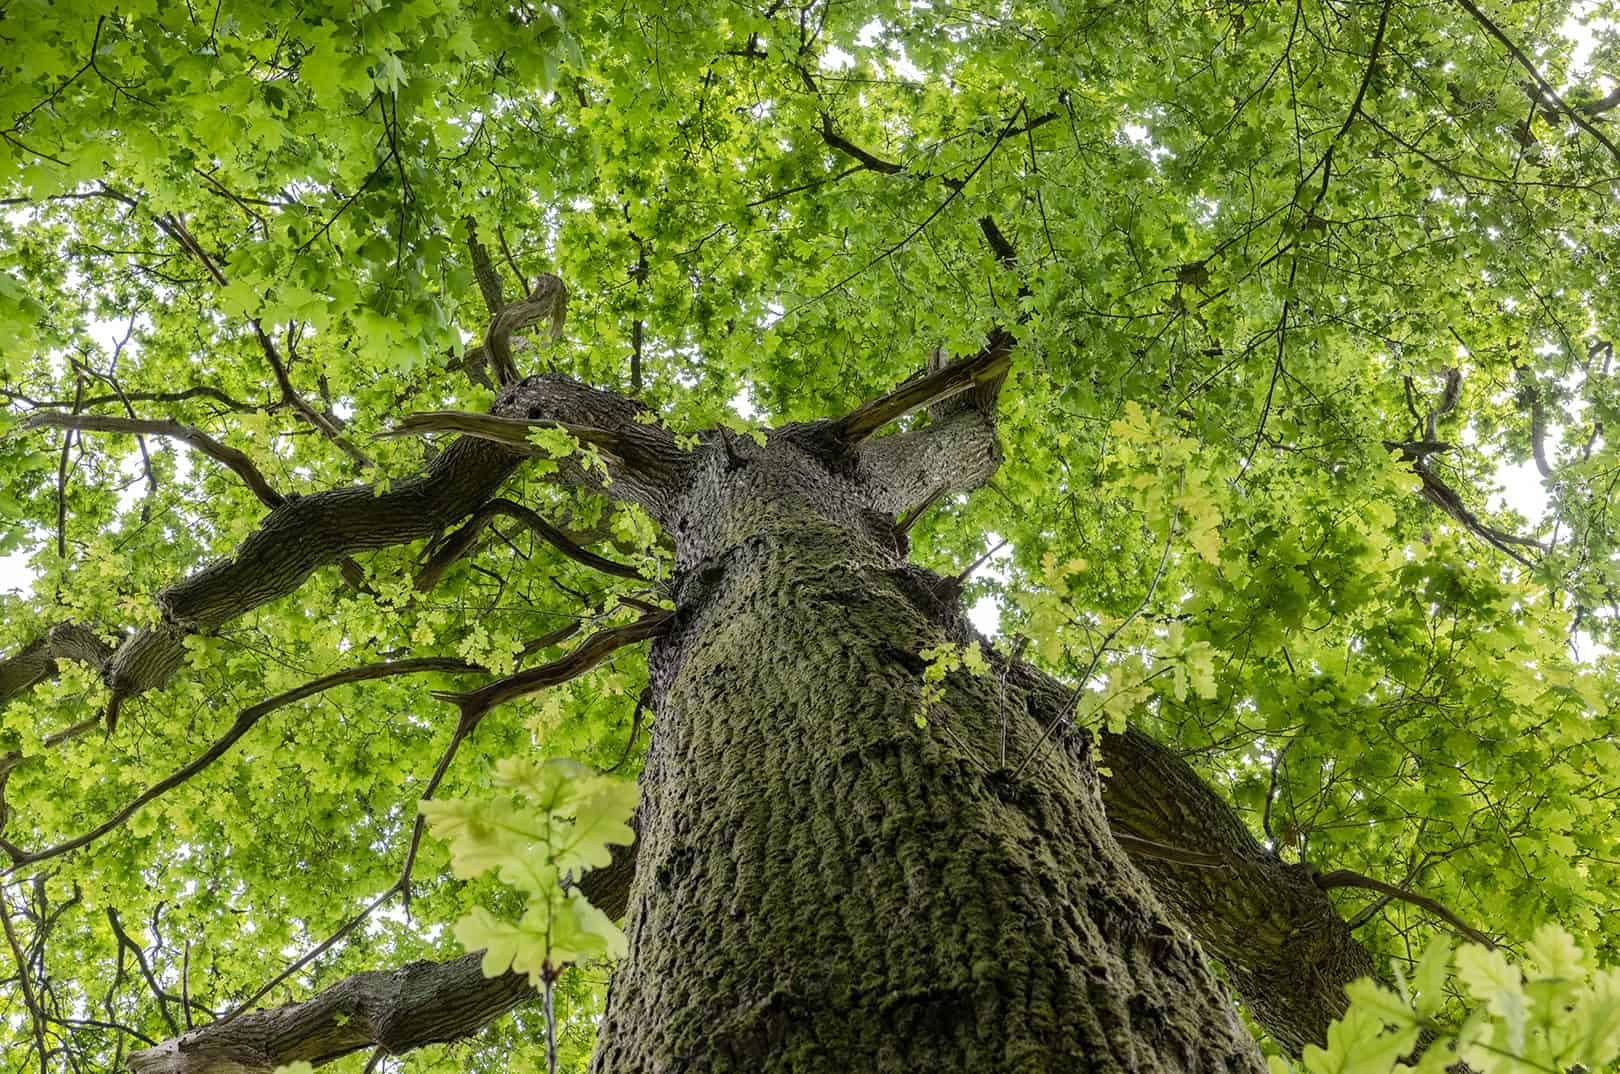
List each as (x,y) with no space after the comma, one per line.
(560,821)
(1547,1011)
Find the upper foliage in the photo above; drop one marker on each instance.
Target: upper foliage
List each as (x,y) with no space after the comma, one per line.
(1259,244)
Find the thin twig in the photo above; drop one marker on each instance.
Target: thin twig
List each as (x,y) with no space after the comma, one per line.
(1346,878)
(1541,83)
(1097,654)
(243,723)
(35,1014)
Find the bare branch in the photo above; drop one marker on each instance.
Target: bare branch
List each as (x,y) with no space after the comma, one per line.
(456,545)
(238,462)
(1346,878)
(326,528)
(548,301)
(243,724)
(591,652)
(987,366)
(510,433)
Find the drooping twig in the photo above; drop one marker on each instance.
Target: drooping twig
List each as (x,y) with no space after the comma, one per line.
(1097,654)
(475,705)
(320,421)
(643,700)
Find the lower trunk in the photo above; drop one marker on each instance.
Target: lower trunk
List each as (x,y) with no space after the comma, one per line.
(823,885)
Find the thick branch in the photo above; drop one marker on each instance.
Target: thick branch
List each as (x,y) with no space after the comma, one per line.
(309,532)
(36,661)
(238,463)
(643,464)
(1347,878)
(510,433)
(591,652)
(456,544)
(909,469)
(1285,948)
(422,1003)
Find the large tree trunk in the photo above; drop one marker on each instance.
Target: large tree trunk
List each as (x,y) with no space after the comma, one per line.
(823,885)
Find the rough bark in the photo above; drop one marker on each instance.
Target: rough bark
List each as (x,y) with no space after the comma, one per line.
(421,1003)
(795,814)
(1285,948)
(825,886)
(37,660)
(808,850)
(1283,945)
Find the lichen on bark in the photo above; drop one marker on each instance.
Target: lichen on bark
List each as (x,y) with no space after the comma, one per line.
(822,884)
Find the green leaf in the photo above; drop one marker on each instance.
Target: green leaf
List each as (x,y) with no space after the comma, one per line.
(1429,978)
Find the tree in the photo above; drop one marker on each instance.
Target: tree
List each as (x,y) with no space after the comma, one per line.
(383,378)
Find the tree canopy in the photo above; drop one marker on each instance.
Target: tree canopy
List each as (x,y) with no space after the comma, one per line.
(1285,287)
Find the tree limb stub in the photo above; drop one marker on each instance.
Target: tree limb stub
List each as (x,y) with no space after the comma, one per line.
(985,367)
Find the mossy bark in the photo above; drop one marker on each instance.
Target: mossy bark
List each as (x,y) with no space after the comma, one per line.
(824,885)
